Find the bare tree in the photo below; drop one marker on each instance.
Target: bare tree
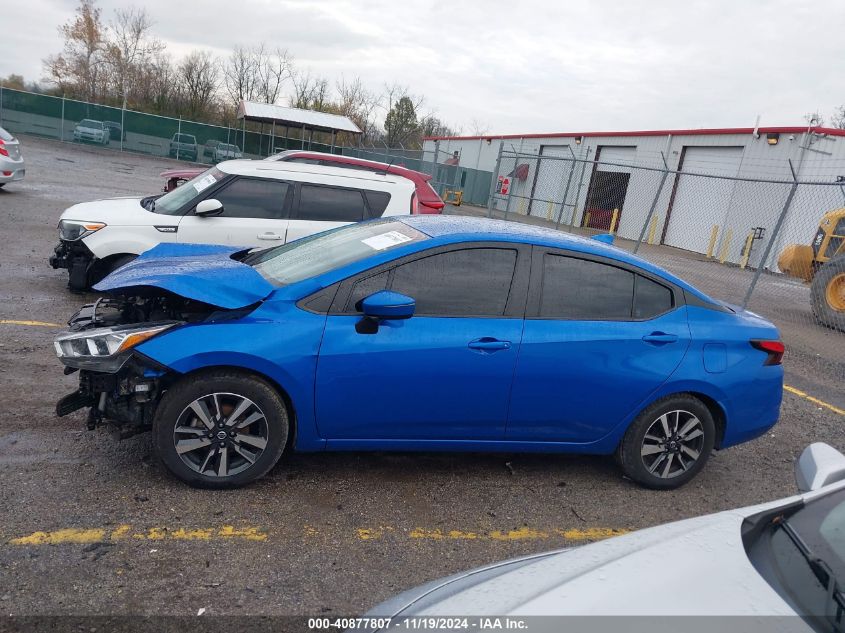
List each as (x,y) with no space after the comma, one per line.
(239,75)
(198,77)
(130,47)
(274,69)
(837,119)
(77,70)
(477,128)
(359,104)
(814,119)
(430,125)
(311,93)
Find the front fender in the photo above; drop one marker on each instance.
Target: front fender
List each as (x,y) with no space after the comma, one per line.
(127,240)
(284,350)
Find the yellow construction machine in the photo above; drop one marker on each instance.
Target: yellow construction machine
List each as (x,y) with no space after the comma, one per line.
(822,265)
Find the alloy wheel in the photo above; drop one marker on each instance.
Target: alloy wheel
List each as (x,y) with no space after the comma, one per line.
(672,444)
(220,434)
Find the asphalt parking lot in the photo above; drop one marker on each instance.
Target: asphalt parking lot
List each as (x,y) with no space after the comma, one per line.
(94,526)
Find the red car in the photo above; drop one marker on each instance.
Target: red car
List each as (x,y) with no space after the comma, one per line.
(427,200)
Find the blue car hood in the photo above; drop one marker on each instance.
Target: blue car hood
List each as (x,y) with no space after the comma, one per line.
(202,272)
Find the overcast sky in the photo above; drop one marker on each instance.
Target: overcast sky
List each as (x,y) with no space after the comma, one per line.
(520,66)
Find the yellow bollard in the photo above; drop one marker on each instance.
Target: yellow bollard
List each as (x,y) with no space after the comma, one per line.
(652,230)
(521,209)
(613,221)
(746,252)
(714,233)
(726,244)
(549,212)
(574,214)
(587,219)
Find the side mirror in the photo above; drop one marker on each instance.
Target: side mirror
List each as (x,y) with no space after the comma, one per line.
(209,207)
(819,465)
(385,304)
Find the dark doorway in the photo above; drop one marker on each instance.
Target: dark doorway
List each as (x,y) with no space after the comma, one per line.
(607,192)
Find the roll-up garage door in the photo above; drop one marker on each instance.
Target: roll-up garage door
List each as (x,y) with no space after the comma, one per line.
(700,202)
(550,181)
(609,185)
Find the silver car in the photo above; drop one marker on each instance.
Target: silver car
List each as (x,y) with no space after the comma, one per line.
(12,166)
(784,558)
(91,131)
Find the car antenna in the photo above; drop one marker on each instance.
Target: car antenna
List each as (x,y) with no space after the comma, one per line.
(389,165)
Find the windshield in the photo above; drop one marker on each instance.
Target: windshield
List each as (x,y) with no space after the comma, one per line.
(804,555)
(184,138)
(171,203)
(320,253)
(97,125)
(5,136)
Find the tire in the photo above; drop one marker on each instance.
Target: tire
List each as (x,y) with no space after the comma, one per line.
(223,462)
(101,270)
(651,470)
(827,294)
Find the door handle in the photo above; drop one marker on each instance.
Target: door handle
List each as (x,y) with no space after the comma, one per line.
(488,344)
(270,236)
(660,338)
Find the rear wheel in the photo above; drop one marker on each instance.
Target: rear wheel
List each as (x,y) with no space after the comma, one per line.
(668,443)
(220,429)
(828,294)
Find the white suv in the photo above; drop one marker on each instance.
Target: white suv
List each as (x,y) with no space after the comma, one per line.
(240,203)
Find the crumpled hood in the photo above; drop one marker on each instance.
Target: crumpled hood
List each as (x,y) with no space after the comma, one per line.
(112,211)
(202,272)
(692,567)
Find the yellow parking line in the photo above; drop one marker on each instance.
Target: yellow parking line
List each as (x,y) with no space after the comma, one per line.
(809,398)
(126,533)
(99,535)
(29,323)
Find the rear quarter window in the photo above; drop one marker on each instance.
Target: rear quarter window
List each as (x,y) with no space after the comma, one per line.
(377,201)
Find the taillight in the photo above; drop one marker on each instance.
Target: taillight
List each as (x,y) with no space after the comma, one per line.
(3,150)
(774,349)
(415,205)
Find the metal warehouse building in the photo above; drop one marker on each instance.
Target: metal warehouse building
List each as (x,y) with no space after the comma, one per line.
(594,178)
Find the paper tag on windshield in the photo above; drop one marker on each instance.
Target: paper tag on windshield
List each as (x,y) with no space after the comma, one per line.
(204,183)
(386,240)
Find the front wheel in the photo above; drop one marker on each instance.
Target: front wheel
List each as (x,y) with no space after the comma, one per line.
(668,443)
(220,429)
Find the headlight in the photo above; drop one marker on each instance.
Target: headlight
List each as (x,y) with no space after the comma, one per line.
(70,230)
(104,349)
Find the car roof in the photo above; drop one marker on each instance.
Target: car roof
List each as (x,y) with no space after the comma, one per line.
(466,228)
(393,168)
(280,169)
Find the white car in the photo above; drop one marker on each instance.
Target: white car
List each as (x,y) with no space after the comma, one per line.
(239,203)
(12,166)
(225,151)
(784,558)
(91,131)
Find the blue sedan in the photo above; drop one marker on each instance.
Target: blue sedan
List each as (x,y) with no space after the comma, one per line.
(420,334)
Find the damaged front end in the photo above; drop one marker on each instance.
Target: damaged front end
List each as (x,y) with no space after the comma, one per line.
(120,385)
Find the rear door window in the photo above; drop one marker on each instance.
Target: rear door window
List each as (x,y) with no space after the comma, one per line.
(585,290)
(330,204)
(253,198)
(651,299)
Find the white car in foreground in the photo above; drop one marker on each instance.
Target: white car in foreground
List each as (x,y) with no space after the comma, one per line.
(12,166)
(237,203)
(785,558)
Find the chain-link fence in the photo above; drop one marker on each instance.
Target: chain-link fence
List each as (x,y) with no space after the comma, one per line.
(127,130)
(773,243)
